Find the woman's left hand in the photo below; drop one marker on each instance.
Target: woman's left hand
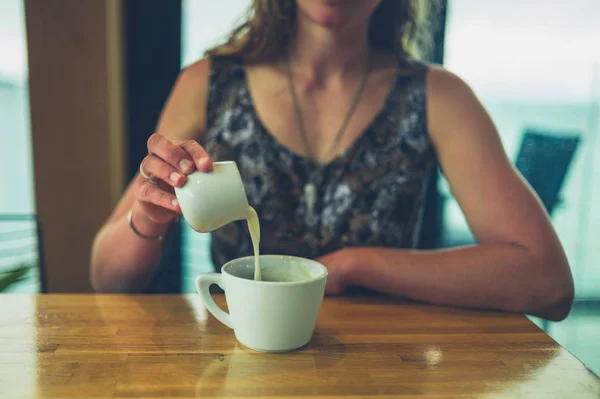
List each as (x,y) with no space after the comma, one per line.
(338,264)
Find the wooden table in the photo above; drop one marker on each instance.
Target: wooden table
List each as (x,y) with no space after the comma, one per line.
(88,346)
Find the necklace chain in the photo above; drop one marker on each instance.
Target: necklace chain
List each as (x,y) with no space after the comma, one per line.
(298,111)
(310,191)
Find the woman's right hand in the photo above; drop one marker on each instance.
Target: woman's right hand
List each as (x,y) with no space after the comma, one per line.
(167,164)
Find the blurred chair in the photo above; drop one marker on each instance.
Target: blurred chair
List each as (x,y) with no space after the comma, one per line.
(21,244)
(544,159)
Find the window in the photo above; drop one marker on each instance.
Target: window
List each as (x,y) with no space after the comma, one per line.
(15,142)
(18,233)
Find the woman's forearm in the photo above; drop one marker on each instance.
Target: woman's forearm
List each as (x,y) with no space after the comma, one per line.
(121,261)
(494,276)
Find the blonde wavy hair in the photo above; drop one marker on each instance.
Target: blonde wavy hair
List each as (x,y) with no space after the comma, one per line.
(402,26)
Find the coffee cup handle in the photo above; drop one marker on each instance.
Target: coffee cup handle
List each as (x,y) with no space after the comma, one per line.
(203,283)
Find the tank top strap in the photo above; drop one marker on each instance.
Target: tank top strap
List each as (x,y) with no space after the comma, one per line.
(413,68)
(226,73)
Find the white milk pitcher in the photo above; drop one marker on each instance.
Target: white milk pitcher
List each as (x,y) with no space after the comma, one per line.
(209,200)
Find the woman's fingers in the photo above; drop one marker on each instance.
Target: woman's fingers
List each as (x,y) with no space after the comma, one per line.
(185,155)
(155,167)
(148,191)
(171,153)
(198,154)
(154,213)
(167,165)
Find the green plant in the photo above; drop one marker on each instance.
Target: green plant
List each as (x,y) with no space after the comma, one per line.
(9,277)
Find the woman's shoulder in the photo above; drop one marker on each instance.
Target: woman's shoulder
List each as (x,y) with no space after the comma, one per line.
(205,68)
(443,81)
(184,113)
(452,106)
(445,89)
(434,74)
(196,72)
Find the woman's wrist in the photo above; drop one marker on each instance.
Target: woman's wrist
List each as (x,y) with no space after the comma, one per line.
(354,264)
(144,227)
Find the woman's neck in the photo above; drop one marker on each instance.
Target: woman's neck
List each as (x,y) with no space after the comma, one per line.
(319,53)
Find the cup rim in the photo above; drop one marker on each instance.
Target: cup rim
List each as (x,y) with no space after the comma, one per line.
(322,276)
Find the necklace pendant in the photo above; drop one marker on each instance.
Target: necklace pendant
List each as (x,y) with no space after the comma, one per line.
(310,198)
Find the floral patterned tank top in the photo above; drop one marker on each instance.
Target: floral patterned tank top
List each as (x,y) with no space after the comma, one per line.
(370,195)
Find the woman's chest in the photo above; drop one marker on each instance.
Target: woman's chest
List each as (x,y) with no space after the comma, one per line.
(318,122)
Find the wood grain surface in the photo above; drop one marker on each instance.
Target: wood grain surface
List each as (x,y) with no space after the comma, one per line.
(92,346)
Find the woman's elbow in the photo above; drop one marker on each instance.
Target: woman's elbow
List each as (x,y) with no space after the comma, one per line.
(99,280)
(112,272)
(556,311)
(107,277)
(105,281)
(555,294)
(98,266)
(116,278)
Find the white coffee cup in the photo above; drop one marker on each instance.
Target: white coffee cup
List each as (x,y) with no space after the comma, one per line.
(268,316)
(209,200)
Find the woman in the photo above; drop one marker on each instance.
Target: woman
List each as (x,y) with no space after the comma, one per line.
(335,127)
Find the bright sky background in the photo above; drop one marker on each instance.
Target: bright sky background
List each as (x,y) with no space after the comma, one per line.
(207,22)
(525,48)
(538,49)
(508,48)
(13,48)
